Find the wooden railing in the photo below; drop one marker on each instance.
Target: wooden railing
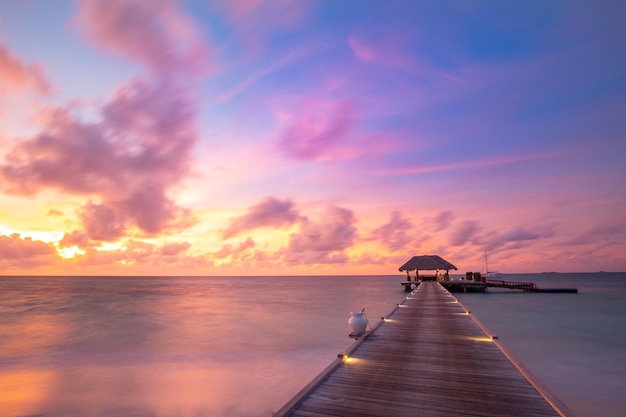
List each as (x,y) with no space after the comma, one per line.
(526,286)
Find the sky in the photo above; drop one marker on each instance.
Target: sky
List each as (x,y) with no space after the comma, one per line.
(302,137)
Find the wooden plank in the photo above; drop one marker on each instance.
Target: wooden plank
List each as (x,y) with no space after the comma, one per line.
(429,358)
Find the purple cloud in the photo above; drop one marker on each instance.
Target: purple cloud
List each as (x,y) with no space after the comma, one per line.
(395,234)
(464,233)
(443,220)
(322,242)
(271,212)
(153,32)
(514,238)
(316,129)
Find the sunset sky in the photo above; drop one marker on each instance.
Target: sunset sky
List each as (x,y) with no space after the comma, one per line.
(280,137)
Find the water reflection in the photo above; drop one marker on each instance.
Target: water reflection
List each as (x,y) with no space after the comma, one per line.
(101,347)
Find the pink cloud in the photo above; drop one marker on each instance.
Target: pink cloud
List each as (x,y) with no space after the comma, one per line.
(514,238)
(396,233)
(361,51)
(153,32)
(16,76)
(237,253)
(464,233)
(76,237)
(610,232)
(18,252)
(126,162)
(473,164)
(257,19)
(271,212)
(172,249)
(101,222)
(443,220)
(317,128)
(391,50)
(324,241)
(142,253)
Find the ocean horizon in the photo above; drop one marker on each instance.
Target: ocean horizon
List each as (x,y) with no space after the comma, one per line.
(104,346)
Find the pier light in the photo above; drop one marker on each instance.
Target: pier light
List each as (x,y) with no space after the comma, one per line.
(482,339)
(345,358)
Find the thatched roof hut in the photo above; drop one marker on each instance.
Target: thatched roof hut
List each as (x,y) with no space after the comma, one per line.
(427,263)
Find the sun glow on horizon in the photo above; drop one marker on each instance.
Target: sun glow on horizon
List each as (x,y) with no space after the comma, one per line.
(344,154)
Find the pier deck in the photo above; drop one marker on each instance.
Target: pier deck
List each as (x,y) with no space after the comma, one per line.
(428,358)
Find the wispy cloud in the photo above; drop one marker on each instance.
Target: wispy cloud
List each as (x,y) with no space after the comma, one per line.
(397,233)
(471,164)
(281,62)
(271,212)
(316,127)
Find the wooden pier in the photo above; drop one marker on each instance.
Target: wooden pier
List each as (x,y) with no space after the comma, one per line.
(482,286)
(428,357)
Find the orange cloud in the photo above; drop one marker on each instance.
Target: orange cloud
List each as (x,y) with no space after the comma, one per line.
(18,252)
(15,76)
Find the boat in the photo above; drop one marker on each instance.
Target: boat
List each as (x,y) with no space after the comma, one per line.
(492,274)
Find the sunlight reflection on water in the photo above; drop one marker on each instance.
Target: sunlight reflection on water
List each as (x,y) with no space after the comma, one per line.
(173,346)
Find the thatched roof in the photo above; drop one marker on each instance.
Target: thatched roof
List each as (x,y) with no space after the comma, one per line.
(427,263)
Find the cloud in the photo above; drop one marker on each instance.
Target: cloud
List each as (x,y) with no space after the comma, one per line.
(15,76)
(55,213)
(154,33)
(16,251)
(388,50)
(442,220)
(291,57)
(611,232)
(271,212)
(395,234)
(75,238)
(134,252)
(464,233)
(174,249)
(316,128)
(257,20)
(236,253)
(101,222)
(514,238)
(126,162)
(362,51)
(324,241)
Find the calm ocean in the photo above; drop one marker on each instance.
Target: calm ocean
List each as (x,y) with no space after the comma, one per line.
(242,346)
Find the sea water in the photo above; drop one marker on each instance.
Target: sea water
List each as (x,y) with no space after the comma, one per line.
(243,346)
(574,343)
